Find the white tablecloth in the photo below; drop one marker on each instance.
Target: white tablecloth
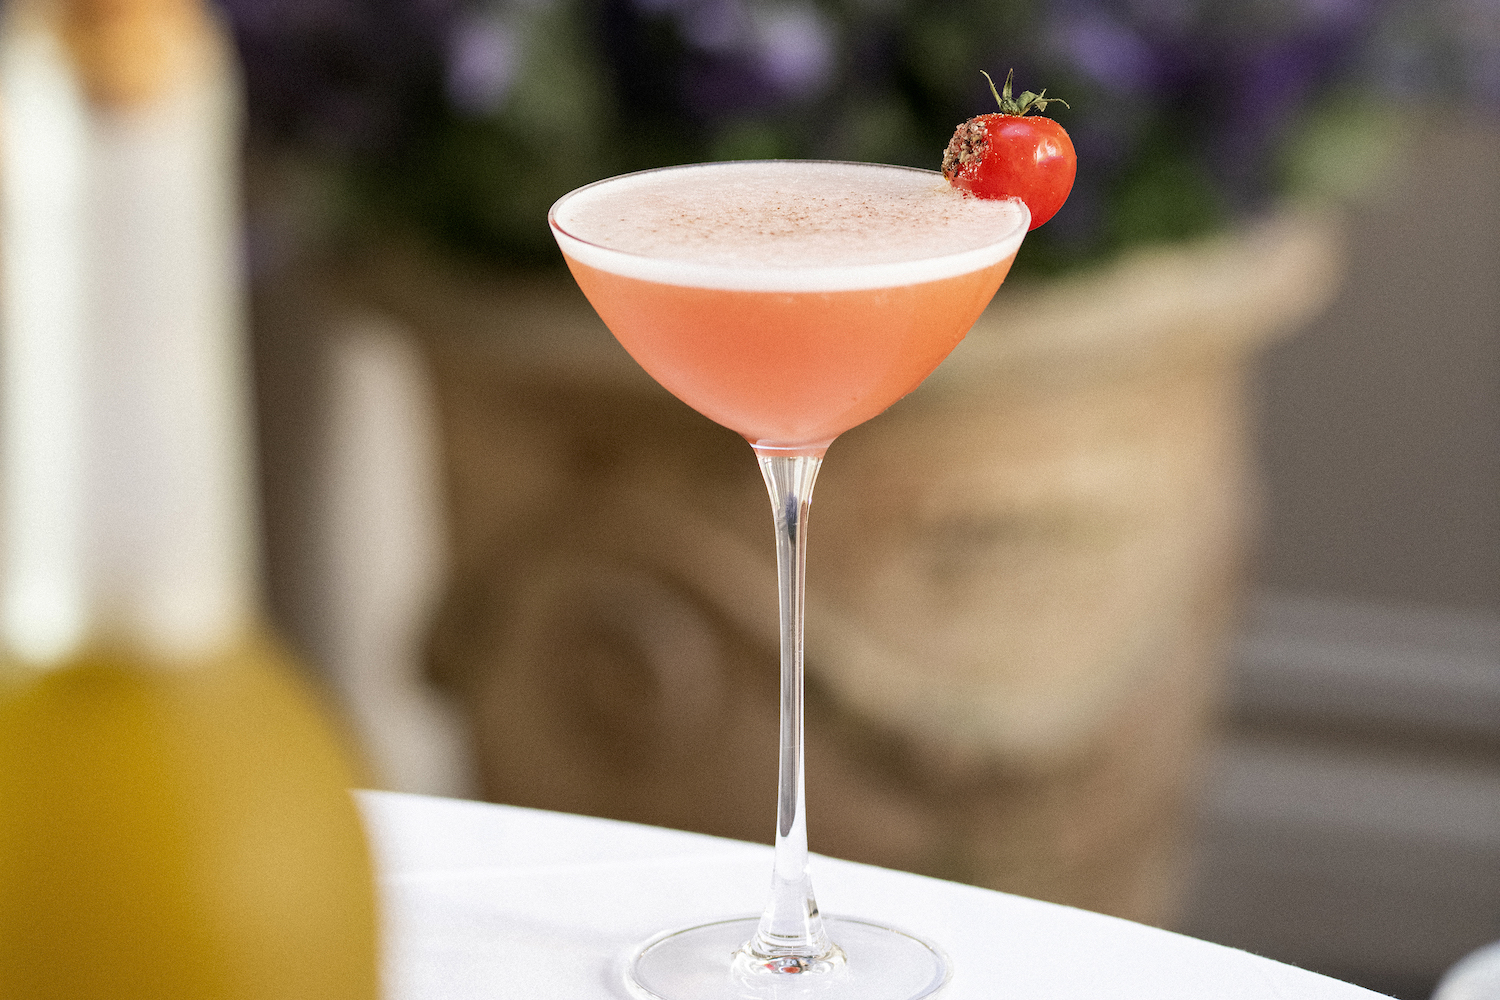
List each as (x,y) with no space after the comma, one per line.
(494,903)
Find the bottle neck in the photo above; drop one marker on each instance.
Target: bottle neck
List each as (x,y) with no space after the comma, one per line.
(127,449)
(129,53)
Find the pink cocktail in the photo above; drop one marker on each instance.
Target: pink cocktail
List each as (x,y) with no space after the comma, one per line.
(789,301)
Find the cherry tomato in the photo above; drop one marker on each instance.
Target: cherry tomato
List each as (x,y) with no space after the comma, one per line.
(1014,154)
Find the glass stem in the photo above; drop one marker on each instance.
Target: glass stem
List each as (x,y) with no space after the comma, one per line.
(791,936)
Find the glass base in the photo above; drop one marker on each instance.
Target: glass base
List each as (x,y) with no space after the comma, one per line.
(706,963)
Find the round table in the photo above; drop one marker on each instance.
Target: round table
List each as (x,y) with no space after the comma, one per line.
(495,902)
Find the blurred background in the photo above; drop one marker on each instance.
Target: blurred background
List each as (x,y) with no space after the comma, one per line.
(1213,491)
(1336,636)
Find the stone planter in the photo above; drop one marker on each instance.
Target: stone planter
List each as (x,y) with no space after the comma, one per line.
(1021,576)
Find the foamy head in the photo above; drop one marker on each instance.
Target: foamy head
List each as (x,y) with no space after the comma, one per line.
(785,225)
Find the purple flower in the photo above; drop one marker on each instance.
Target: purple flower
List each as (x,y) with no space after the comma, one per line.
(796,50)
(483,54)
(1106,52)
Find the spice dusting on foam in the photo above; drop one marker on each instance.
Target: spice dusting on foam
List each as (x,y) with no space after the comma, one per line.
(779,215)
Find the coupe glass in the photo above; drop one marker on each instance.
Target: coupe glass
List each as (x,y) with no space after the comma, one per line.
(790,352)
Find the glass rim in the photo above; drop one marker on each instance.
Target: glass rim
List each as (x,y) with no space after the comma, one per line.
(787,278)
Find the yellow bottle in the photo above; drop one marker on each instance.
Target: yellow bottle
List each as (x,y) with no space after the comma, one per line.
(175,817)
(181,832)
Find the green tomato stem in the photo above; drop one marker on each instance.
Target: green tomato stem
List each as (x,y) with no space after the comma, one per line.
(1026,103)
